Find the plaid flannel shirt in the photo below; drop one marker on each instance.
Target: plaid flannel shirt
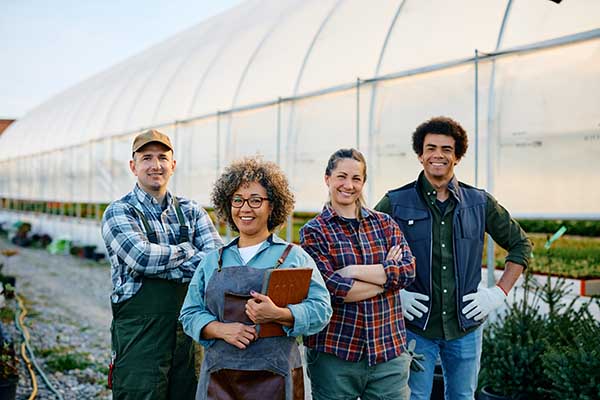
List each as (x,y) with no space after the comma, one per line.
(131,254)
(374,327)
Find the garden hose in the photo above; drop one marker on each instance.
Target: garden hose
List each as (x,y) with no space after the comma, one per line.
(25,345)
(25,334)
(34,385)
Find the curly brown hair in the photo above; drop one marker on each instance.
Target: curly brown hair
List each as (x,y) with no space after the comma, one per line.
(441,126)
(253,169)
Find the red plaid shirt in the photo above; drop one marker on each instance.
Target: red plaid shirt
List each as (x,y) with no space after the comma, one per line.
(373,327)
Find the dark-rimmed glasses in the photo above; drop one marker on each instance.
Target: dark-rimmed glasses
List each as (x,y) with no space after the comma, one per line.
(253,202)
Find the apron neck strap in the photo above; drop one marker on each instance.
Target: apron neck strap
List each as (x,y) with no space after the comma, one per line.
(284,255)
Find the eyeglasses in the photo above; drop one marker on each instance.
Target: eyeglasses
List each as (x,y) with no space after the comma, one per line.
(253,202)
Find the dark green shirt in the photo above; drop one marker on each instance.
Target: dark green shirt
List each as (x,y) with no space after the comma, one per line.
(443,320)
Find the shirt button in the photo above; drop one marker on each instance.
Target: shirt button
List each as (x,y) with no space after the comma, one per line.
(445,291)
(443,222)
(444,267)
(443,312)
(433,192)
(443,245)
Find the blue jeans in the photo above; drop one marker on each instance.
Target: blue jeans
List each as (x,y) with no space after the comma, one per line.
(332,378)
(460,364)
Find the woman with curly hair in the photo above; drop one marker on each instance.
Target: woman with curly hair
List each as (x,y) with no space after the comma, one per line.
(254,198)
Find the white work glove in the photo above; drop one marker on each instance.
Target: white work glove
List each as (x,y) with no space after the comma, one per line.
(411,306)
(483,302)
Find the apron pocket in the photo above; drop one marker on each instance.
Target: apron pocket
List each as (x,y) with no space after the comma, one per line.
(234,308)
(232,384)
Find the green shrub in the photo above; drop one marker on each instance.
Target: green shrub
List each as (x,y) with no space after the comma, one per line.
(68,361)
(9,363)
(64,358)
(7,315)
(512,347)
(572,358)
(531,355)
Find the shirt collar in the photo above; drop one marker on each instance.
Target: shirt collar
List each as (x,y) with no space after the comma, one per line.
(272,239)
(430,193)
(145,198)
(329,213)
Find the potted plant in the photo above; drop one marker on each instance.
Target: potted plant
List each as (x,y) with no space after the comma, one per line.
(88,251)
(9,371)
(528,354)
(7,284)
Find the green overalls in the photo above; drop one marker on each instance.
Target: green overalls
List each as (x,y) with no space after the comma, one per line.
(153,357)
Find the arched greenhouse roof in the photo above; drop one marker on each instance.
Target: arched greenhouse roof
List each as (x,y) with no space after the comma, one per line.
(266,49)
(366,70)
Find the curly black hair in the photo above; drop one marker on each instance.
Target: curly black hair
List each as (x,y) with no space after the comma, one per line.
(441,126)
(253,169)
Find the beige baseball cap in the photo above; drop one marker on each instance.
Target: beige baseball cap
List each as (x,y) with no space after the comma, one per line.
(149,136)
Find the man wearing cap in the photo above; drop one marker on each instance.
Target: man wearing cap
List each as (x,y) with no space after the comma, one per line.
(154,241)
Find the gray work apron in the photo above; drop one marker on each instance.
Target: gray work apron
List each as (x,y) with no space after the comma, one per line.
(153,357)
(275,356)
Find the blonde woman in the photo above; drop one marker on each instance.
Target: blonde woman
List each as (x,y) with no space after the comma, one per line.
(365,261)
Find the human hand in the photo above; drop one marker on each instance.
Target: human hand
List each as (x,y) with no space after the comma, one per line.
(261,309)
(483,302)
(411,306)
(395,253)
(237,334)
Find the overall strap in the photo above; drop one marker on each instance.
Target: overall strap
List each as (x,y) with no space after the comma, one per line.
(284,255)
(183,228)
(152,238)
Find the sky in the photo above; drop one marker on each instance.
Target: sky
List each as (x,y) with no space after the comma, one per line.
(47,46)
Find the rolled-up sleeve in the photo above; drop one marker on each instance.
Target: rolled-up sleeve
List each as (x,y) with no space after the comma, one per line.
(316,245)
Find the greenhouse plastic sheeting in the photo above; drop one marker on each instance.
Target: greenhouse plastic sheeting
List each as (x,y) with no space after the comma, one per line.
(295,80)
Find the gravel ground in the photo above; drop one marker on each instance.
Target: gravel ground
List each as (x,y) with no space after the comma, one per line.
(69,314)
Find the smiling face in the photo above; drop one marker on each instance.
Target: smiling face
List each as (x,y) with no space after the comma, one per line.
(439,157)
(345,186)
(153,165)
(251,222)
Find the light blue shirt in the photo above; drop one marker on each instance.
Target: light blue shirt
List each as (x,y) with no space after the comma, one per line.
(310,316)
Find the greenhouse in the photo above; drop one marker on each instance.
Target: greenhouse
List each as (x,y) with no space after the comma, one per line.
(295,80)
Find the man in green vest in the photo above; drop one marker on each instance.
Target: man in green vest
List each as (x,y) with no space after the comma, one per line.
(154,241)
